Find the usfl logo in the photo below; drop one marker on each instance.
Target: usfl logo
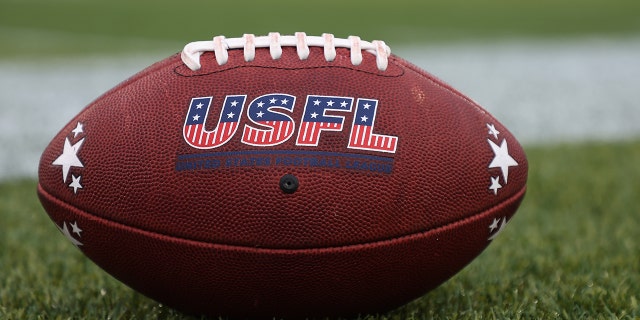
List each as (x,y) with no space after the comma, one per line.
(272,124)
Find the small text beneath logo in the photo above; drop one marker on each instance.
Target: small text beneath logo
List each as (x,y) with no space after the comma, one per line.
(284,158)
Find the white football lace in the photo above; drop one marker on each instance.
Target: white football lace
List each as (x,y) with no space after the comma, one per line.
(274,41)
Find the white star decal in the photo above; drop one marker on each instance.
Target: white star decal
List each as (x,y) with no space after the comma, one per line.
(272,101)
(495,185)
(284,101)
(364,118)
(494,224)
(493,131)
(75,229)
(230,115)
(502,225)
(314,115)
(260,114)
(343,104)
(199,105)
(69,158)
(196,117)
(367,105)
(78,130)
(234,103)
(260,104)
(502,158)
(65,232)
(316,102)
(75,183)
(330,103)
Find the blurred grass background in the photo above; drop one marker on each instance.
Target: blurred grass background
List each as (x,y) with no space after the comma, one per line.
(42,28)
(571,251)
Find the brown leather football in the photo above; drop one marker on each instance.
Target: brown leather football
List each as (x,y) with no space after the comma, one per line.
(282,176)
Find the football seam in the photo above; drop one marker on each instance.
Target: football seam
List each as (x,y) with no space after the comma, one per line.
(178,72)
(441,84)
(154,234)
(140,75)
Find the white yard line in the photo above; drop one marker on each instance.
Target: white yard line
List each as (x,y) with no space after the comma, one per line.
(543,91)
(547,91)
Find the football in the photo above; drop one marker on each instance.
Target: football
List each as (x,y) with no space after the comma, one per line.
(282,175)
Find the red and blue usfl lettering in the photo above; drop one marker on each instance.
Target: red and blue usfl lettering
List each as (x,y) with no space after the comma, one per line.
(270,122)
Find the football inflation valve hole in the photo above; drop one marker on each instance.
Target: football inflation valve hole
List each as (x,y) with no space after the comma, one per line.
(289,183)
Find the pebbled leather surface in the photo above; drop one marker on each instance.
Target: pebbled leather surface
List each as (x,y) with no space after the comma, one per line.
(229,241)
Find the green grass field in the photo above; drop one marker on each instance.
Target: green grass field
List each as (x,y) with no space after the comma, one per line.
(571,251)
